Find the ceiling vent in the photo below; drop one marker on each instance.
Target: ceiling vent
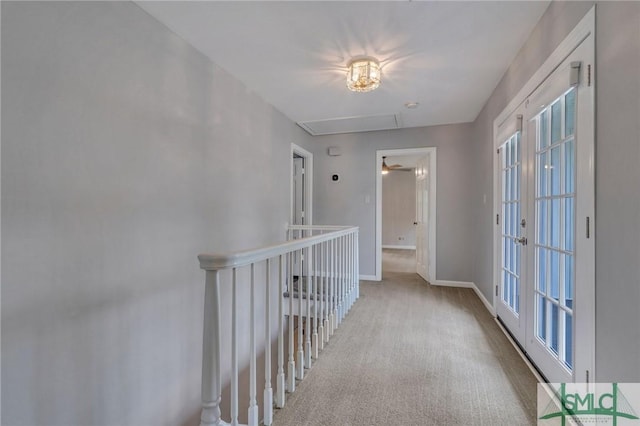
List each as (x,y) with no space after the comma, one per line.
(367,123)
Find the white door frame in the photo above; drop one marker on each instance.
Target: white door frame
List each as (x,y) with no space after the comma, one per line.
(584,29)
(431,152)
(308,183)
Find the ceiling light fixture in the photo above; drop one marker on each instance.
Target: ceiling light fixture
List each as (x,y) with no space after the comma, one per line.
(363,75)
(386,168)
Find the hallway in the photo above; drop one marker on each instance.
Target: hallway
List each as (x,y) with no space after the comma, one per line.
(413,354)
(398,260)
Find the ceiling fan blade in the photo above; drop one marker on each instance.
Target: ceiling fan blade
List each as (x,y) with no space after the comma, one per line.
(395,166)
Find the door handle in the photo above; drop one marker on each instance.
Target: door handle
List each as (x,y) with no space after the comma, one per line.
(415,223)
(521,240)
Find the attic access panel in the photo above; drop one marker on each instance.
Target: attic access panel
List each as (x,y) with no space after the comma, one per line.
(351,124)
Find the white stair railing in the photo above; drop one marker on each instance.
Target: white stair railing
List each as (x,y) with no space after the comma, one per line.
(317,282)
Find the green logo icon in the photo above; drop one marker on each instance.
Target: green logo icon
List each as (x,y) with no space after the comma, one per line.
(577,405)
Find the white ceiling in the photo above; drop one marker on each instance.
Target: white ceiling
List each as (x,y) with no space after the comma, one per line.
(448,56)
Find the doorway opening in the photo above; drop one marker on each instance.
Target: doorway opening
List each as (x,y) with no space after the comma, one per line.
(409,237)
(301,186)
(399,214)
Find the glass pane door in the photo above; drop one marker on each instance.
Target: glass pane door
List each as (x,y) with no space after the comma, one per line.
(510,308)
(511,214)
(555,200)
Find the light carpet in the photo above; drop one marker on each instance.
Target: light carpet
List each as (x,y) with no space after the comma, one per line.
(409,353)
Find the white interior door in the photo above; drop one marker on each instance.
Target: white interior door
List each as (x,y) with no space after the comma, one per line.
(297,208)
(298,201)
(546,280)
(422,217)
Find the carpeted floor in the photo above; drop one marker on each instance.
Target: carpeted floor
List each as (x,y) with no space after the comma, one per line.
(398,260)
(410,353)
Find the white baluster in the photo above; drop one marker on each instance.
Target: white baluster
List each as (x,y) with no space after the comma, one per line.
(211,388)
(300,355)
(345,256)
(338,297)
(355,267)
(340,283)
(252,412)
(343,275)
(325,301)
(356,273)
(332,288)
(234,350)
(291,372)
(280,381)
(307,327)
(349,273)
(316,264)
(347,276)
(268,392)
(345,305)
(357,254)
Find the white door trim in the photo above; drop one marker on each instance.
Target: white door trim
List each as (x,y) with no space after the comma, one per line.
(431,151)
(308,182)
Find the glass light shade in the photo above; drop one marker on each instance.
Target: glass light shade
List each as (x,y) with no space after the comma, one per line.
(363,75)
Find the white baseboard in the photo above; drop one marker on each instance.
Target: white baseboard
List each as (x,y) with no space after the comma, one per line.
(484,300)
(467,284)
(399,247)
(368,277)
(444,283)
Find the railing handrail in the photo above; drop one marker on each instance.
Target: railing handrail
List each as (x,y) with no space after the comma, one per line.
(213,262)
(314,279)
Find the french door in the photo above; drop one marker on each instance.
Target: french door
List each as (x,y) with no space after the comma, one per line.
(512,221)
(545,291)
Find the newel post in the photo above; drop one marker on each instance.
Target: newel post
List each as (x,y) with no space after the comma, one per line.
(211,385)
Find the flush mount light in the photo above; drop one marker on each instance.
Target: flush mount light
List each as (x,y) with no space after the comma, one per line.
(363,75)
(411,105)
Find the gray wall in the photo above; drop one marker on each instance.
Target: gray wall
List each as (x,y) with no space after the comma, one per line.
(345,202)
(618,192)
(399,208)
(125,153)
(617,172)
